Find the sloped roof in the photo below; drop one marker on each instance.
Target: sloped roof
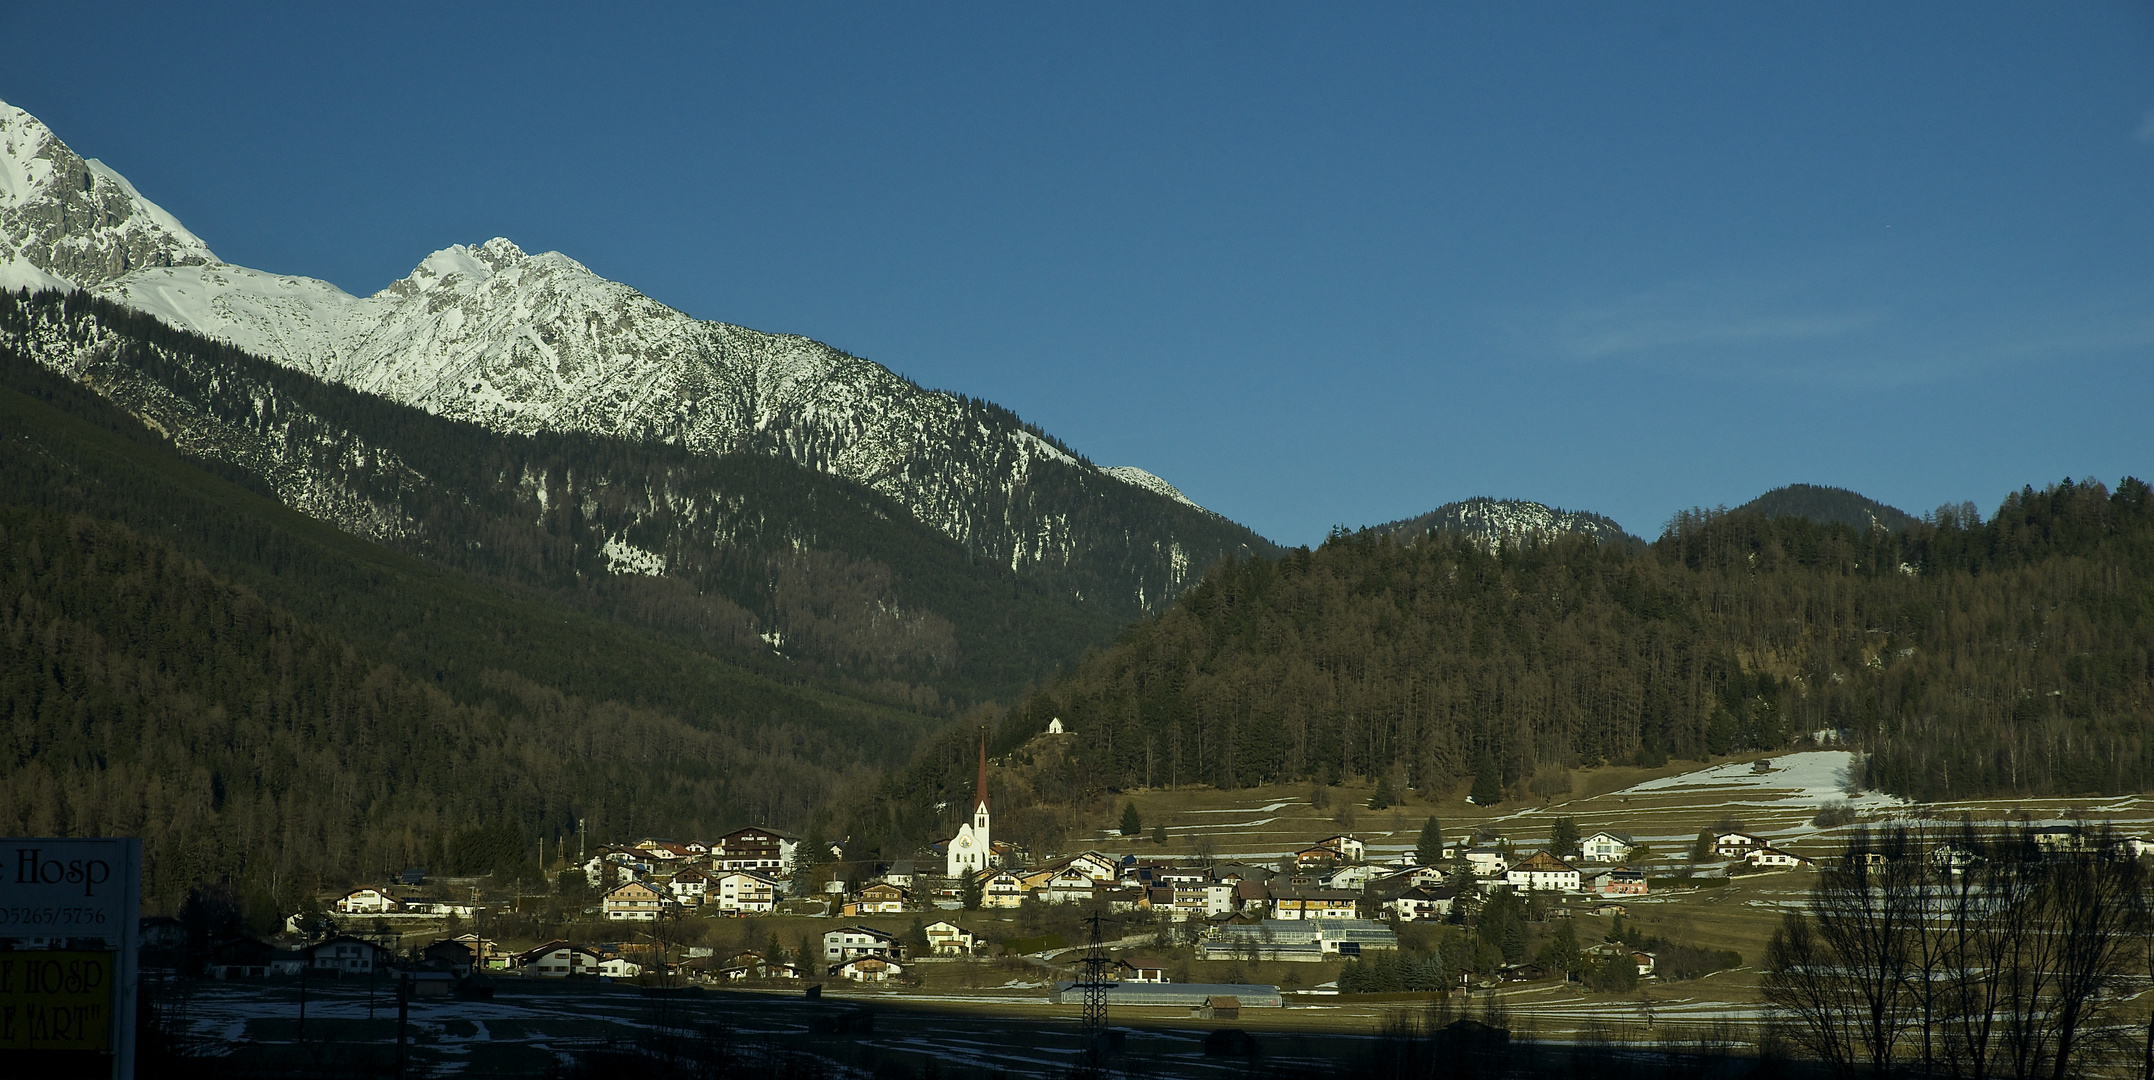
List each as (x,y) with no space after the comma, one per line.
(1543,862)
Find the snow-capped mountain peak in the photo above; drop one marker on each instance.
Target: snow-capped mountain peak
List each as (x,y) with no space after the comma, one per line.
(453,267)
(465,270)
(524,344)
(68,220)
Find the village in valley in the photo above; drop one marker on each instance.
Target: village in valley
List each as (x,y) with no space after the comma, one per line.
(1636,890)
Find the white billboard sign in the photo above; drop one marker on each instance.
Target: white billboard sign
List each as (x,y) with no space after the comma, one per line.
(68,911)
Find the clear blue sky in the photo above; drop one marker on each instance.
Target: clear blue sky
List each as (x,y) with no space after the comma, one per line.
(1315,265)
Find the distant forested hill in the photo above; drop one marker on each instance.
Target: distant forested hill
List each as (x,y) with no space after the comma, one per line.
(1506,521)
(1829,505)
(2015,656)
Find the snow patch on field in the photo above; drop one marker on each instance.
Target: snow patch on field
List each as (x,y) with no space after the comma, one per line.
(1810,779)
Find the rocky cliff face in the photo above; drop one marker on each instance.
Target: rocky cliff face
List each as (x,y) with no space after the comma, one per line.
(73,219)
(526,344)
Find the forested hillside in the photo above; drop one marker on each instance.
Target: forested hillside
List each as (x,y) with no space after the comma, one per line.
(268,700)
(2015,656)
(750,556)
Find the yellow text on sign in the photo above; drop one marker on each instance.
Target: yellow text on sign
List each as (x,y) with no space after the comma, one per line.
(56,1000)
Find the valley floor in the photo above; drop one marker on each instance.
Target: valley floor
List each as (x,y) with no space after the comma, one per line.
(993,1015)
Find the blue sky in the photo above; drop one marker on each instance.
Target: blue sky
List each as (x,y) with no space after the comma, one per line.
(1314,266)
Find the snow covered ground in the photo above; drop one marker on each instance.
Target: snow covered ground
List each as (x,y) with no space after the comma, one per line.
(1801,780)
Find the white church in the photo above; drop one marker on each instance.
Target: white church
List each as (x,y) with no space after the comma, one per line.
(971,849)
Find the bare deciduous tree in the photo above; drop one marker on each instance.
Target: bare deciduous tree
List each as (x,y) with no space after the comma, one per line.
(1981,956)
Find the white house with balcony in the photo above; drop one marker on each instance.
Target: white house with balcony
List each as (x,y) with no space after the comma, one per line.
(1486,861)
(853,942)
(633,902)
(1605,846)
(745,893)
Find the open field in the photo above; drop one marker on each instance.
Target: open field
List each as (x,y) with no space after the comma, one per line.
(1663,808)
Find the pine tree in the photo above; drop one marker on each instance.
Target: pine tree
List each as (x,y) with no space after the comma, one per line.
(1487,784)
(973,886)
(1560,949)
(1563,839)
(1514,940)
(1383,797)
(1132,824)
(1429,851)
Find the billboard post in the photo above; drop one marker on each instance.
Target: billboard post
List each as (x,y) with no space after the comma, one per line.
(69,911)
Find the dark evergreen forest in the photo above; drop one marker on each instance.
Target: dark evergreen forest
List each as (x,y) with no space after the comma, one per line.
(2014,656)
(273,703)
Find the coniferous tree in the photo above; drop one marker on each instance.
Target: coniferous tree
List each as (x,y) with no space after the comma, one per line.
(1487,783)
(1383,797)
(1563,838)
(1560,950)
(1701,849)
(1132,823)
(1428,851)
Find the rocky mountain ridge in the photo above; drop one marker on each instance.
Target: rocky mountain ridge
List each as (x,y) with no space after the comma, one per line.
(66,220)
(525,344)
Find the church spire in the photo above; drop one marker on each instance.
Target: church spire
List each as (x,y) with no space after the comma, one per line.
(980,801)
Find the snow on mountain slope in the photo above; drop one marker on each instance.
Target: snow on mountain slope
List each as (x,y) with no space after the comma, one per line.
(1130,474)
(528,343)
(15,275)
(74,219)
(294,320)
